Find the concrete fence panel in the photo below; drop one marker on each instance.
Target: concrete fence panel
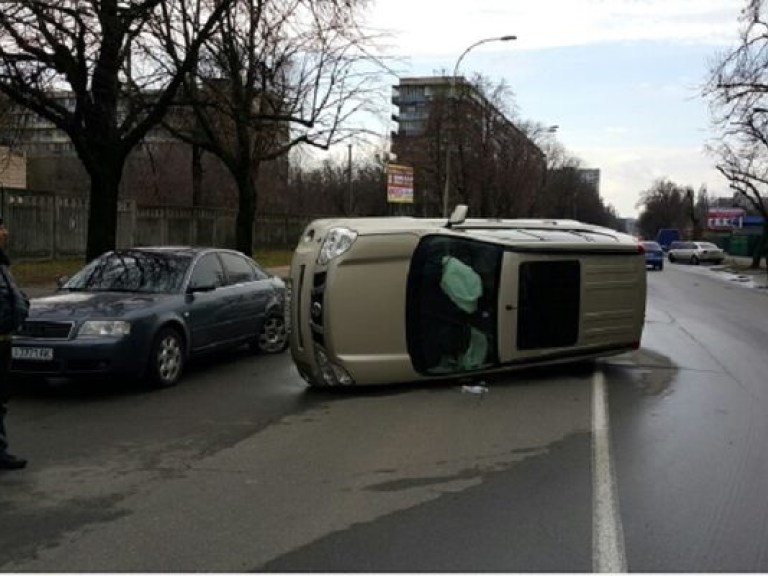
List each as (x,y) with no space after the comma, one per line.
(49,226)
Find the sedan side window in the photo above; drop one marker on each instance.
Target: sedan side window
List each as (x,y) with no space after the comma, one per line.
(238,269)
(207,273)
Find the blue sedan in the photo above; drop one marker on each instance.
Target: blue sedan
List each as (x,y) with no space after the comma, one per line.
(143,312)
(654,255)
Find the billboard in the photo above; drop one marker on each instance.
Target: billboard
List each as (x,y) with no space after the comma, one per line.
(399,184)
(725,218)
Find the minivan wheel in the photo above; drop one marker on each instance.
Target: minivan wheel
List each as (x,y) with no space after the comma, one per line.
(166,361)
(273,337)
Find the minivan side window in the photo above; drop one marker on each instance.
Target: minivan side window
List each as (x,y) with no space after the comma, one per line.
(548,304)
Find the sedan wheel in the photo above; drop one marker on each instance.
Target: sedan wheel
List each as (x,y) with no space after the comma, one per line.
(273,337)
(167,360)
(694,260)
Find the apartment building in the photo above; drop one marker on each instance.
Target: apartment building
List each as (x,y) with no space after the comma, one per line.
(159,172)
(13,169)
(448,130)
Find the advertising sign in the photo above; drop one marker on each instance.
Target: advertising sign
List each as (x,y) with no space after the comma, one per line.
(725,218)
(399,184)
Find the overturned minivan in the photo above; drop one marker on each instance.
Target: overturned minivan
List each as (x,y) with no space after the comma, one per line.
(387,300)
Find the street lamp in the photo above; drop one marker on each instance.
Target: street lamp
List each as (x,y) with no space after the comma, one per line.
(453,96)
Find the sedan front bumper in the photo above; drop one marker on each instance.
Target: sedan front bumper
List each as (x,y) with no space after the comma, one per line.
(96,356)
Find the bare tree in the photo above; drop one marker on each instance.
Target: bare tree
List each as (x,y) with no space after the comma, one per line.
(94,49)
(737,90)
(276,74)
(664,205)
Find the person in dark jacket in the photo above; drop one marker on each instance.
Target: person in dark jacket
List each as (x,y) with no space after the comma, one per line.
(13,310)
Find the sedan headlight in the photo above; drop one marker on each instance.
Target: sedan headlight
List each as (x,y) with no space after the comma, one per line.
(337,241)
(97,328)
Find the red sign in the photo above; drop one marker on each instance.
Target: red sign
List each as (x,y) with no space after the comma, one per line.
(399,184)
(724,218)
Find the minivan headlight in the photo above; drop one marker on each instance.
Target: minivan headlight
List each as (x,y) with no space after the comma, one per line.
(96,328)
(337,241)
(331,374)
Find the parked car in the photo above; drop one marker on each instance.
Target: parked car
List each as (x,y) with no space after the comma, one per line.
(695,252)
(386,300)
(654,255)
(143,312)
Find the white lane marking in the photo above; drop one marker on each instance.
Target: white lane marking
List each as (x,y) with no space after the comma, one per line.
(607,535)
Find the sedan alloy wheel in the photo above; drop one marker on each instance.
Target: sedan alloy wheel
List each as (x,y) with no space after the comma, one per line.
(167,360)
(273,337)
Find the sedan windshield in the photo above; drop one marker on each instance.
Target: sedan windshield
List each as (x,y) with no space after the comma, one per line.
(132,271)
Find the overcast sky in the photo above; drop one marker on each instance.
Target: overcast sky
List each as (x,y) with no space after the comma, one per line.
(621,78)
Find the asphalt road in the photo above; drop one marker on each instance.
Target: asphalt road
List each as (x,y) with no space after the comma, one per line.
(651,461)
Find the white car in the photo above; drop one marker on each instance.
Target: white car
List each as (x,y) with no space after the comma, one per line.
(695,252)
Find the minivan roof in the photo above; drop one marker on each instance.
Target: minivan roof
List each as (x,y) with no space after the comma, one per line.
(507,231)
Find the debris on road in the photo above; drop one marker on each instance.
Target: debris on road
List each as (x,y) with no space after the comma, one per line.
(480,389)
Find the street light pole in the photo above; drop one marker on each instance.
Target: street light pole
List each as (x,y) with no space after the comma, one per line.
(447,189)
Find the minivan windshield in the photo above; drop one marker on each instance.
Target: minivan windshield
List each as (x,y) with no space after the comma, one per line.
(452,299)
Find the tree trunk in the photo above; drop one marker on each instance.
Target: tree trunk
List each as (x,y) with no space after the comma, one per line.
(197,175)
(246,210)
(102,213)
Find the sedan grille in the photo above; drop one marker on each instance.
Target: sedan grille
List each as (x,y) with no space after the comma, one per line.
(48,330)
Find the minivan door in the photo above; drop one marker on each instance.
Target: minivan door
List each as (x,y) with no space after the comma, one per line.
(539,304)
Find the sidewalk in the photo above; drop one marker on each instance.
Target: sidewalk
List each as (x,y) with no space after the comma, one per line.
(743,261)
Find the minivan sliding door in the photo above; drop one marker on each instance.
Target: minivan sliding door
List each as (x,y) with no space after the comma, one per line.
(539,304)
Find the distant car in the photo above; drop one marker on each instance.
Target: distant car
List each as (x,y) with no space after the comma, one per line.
(143,312)
(695,252)
(654,255)
(665,237)
(392,300)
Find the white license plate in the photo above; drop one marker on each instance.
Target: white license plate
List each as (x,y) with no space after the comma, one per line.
(35,354)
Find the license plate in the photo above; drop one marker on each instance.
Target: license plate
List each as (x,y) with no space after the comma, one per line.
(34,354)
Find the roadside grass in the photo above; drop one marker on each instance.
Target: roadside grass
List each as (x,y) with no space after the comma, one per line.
(273,257)
(37,272)
(31,273)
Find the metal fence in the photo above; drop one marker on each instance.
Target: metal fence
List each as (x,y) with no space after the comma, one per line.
(48,226)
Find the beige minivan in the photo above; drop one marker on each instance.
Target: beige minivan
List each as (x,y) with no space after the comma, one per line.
(388,300)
